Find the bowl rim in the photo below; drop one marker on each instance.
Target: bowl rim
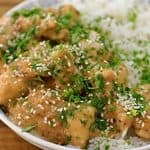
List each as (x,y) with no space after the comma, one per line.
(33,139)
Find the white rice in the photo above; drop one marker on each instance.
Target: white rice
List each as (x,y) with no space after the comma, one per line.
(115,144)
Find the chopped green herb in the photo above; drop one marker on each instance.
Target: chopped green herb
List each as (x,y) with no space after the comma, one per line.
(100,124)
(98,103)
(69,139)
(107,147)
(19,45)
(116,58)
(84,122)
(67,93)
(141,102)
(138,100)
(71,95)
(64,115)
(78,32)
(128,141)
(27,12)
(145,77)
(113,108)
(54,70)
(29,128)
(132,15)
(99,82)
(80,83)
(21,100)
(38,78)
(64,21)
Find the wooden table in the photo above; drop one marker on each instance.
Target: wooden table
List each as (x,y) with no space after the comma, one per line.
(8,139)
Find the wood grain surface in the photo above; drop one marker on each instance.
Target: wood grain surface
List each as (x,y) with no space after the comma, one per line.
(8,139)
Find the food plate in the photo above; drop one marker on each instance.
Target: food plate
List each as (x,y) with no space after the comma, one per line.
(35,140)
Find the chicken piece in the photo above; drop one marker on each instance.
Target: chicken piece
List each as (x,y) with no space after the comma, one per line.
(7,31)
(142,124)
(49,29)
(55,63)
(92,49)
(79,126)
(102,79)
(116,114)
(4,20)
(40,109)
(62,63)
(23,23)
(144,90)
(71,12)
(122,74)
(52,10)
(3,66)
(15,80)
(108,75)
(23,68)
(12,86)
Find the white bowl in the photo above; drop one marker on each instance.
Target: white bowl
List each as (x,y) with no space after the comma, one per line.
(35,140)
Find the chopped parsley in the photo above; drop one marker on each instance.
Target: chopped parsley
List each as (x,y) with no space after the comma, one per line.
(139,103)
(98,103)
(145,76)
(27,12)
(65,114)
(64,21)
(54,70)
(71,95)
(107,147)
(78,32)
(141,61)
(100,124)
(80,83)
(115,59)
(84,122)
(29,128)
(132,15)
(99,82)
(18,45)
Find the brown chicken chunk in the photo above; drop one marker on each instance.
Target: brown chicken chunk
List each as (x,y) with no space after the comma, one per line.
(12,86)
(142,124)
(41,108)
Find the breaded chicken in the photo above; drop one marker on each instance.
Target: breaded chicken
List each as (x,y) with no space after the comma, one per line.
(116,114)
(41,108)
(12,86)
(142,124)
(79,126)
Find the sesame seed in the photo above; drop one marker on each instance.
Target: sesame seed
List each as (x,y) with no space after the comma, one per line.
(19,123)
(143,124)
(40,106)
(27,117)
(54,125)
(148,117)
(46,102)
